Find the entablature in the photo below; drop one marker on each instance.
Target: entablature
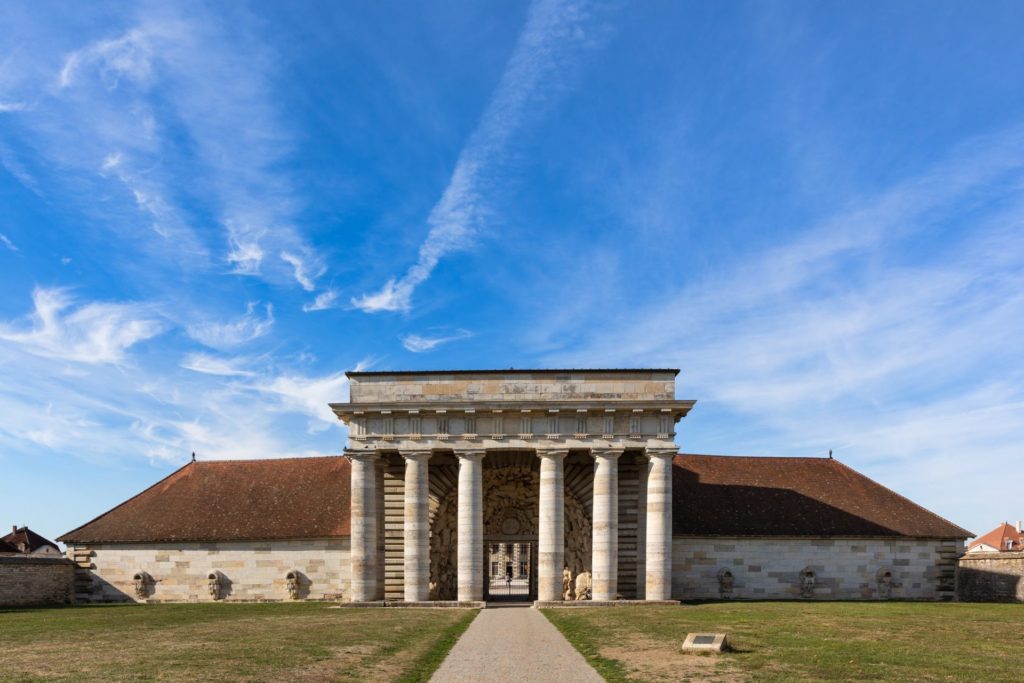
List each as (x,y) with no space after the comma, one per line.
(523,424)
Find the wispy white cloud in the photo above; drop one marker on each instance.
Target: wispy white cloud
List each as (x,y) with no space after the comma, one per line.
(6,241)
(229,334)
(213,365)
(13,106)
(112,116)
(545,51)
(94,332)
(301,267)
(10,161)
(128,56)
(326,299)
(245,254)
(418,343)
(309,395)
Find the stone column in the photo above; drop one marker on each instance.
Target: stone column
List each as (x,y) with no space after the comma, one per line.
(470,550)
(363,520)
(659,524)
(417,527)
(605,545)
(551,528)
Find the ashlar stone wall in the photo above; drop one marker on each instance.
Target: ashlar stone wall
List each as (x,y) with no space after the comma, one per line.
(247,570)
(838,568)
(991,577)
(28,580)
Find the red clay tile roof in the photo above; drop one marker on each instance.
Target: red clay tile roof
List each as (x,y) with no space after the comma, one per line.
(997,538)
(232,500)
(725,495)
(713,496)
(27,541)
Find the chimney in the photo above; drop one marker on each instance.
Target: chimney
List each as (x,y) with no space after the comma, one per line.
(14,528)
(1018,526)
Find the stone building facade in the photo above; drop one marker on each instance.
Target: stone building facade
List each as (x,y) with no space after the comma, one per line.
(576,469)
(822,568)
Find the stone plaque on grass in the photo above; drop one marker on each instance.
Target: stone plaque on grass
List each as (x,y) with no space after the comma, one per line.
(705,642)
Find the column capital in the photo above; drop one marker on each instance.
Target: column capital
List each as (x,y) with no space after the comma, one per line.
(661,452)
(612,452)
(552,452)
(367,455)
(470,454)
(415,455)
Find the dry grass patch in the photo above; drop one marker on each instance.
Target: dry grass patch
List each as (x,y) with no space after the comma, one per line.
(802,641)
(228,642)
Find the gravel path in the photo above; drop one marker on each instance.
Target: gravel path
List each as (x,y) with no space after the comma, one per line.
(513,644)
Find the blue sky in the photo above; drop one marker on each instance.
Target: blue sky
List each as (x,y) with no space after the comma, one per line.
(209,212)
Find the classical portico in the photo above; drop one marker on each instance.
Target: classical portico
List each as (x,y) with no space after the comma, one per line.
(577,463)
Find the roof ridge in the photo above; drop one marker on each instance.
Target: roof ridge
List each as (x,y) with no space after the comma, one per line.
(125,502)
(901,496)
(293,457)
(758,457)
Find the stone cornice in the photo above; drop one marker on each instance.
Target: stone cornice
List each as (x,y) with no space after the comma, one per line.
(346,411)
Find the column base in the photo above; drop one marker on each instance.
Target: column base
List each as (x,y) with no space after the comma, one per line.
(601,603)
(425,604)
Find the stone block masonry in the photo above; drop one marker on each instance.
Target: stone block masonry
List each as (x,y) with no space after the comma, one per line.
(35,581)
(991,577)
(179,572)
(839,568)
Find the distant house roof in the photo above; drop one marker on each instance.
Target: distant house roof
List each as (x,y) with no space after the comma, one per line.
(997,538)
(6,547)
(725,495)
(25,540)
(232,500)
(713,495)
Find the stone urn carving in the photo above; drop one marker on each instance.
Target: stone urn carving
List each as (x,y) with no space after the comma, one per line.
(215,584)
(293,582)
(725,583)
(142,584)
(808,579)
(886,583)
(584,584)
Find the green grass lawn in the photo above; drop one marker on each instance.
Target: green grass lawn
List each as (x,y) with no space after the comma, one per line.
(229,642)
(798,641)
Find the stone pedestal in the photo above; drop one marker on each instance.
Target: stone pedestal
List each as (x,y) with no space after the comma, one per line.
(659,525)
(470,526)
(605,545)
(364,527)
(551,529)
(417,527)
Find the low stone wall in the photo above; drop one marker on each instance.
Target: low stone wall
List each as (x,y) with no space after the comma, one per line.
(841,568)
(991,577)
(28,580)
(246,570)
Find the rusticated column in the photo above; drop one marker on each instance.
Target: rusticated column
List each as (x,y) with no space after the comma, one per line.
(470,526)
(605,545)
(417,527)
(641,527)
(363,520)
(659,524)
(551,529)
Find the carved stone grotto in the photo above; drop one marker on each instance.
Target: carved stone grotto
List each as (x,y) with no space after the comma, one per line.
(510,496)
